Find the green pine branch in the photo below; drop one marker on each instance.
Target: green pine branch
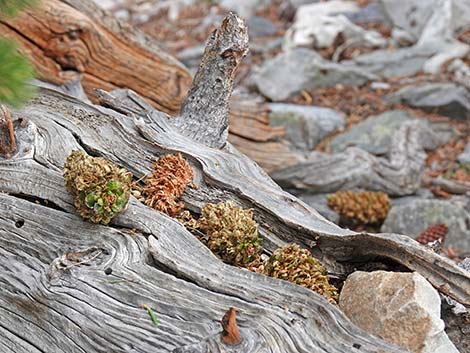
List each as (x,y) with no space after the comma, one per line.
(15,75)
(15,70)
(10,8)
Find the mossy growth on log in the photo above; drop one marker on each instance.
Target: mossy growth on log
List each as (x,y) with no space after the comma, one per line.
(296,265)
(100,189)
(363,207)
(231,232)
(171,174)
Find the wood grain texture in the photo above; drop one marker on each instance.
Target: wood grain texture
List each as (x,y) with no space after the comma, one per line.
(75,39)
(205,111)
(70,40)
(49,303)
(398,174)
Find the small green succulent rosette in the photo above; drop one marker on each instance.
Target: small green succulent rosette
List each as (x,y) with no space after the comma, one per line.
(100,189)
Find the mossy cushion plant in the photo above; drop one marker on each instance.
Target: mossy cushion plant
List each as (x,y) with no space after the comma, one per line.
(100,189)
(365,207)
(231,233)
(296,265)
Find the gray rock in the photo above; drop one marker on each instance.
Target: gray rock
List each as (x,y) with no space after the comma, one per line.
(447,99)
(319,202)
(415,216)
(305,126)
(374,134)
(318,25)
(290,72)
(412,16)
(464,157)
(420,194)
(400,62)
(260,27)
(401,308)
(380,85)
(438,34)
(191,56)
(371,13)
(460,70)
(244,8)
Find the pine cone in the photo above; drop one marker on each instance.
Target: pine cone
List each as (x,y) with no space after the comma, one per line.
(433,233)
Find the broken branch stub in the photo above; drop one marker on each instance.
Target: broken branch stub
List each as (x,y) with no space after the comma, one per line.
(230,334)
(204,114)
(7,133)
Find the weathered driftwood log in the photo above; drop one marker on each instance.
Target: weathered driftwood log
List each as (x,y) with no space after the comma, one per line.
(56,294)
(213,85)
(70,40)
(399,174)
(188,288)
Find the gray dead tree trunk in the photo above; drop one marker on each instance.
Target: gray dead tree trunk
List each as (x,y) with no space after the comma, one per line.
(55,295)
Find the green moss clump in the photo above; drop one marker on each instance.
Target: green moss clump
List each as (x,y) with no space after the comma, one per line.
(231,233)
(296,265)
(99,188)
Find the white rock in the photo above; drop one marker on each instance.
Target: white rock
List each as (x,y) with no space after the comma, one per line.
(460,70)
(401,308)
(244,8)
(318,25)
(412,16)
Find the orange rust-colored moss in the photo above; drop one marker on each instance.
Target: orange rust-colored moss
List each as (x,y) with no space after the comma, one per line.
(365,207)
(171,174)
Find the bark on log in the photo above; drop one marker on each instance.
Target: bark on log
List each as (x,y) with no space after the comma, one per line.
(204,115)
(70,40)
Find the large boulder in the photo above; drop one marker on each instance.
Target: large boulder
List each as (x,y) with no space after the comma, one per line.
(401,308)
(448,99)
(290,72)
(415,216)
(305,125)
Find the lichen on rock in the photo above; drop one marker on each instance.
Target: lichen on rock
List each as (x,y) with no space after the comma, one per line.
(231,232)
(100,189)
(365,207)
(294,264)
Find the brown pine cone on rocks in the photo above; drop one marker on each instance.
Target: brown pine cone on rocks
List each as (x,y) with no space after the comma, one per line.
(433,233)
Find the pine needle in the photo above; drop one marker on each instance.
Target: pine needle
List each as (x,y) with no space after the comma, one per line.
(11,7)
(15,74)
(151,313)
